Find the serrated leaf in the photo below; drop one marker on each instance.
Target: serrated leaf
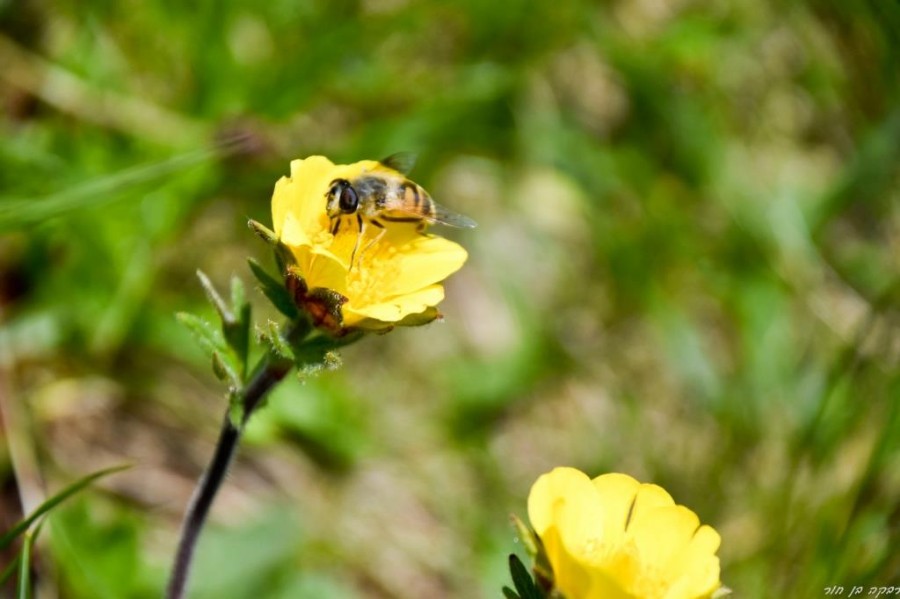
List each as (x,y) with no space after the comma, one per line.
(209,337)
(52,502)
(510,594)
(522,579)
(274,290)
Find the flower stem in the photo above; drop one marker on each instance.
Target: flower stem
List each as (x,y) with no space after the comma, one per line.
(269,372)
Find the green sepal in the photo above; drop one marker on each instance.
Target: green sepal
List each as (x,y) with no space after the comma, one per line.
(263,232)
(274,290)
(330,360)
(528,537)
(533,545)
(283,255)
(522,580)
(272,337)
(322,349)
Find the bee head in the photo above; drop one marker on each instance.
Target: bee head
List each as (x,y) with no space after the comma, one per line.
(342,198)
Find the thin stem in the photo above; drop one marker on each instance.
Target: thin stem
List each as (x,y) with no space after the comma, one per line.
(268,373)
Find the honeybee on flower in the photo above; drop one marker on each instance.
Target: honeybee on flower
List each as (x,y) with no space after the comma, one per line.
(376,277)
(383,194)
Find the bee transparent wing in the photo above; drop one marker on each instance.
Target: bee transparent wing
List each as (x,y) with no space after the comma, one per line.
(453,219)
(402,162)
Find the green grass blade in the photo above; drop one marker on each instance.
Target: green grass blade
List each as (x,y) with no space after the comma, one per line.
(52,502)
(8,572)
(21,212)
(23,588)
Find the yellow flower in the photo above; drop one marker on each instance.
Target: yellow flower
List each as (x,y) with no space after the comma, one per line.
(396,273)
(614,537)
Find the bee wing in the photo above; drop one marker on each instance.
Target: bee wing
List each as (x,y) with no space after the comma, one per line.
(402,162)
(435,213)
(454,219)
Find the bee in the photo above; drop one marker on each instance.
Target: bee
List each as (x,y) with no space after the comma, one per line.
(384,195)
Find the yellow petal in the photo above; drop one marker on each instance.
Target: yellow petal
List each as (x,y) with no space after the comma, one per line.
(396,308)
(663,533)
(386,273)
(695,569)
(302,195)
(617,492)
(650,496)
(562,508)
(321,269)
(291,233)
(423,261)
(552,490)
(617,538)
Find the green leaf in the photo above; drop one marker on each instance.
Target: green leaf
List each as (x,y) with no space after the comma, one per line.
(274,290)
(510,594)
(214,298)
(225,371)
(237,331)
(522,579)
(52,502)
(208,336)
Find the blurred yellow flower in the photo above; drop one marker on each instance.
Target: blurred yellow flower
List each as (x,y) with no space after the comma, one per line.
(396,272)
(614,537)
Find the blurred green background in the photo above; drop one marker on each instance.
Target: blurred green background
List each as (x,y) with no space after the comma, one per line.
(686,269)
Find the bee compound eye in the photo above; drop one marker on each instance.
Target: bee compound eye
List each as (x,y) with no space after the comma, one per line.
(348,200)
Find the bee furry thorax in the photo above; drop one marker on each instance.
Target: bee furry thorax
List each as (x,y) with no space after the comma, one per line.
(386,195)
(381,196)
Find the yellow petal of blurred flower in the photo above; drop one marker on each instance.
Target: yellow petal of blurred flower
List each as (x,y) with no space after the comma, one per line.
(614,537)
(397,271)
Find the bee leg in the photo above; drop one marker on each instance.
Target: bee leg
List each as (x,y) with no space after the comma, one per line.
(377,237)
(336,226)
(359,235)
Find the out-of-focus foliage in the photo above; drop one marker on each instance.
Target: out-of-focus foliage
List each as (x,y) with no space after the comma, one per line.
(686,269)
